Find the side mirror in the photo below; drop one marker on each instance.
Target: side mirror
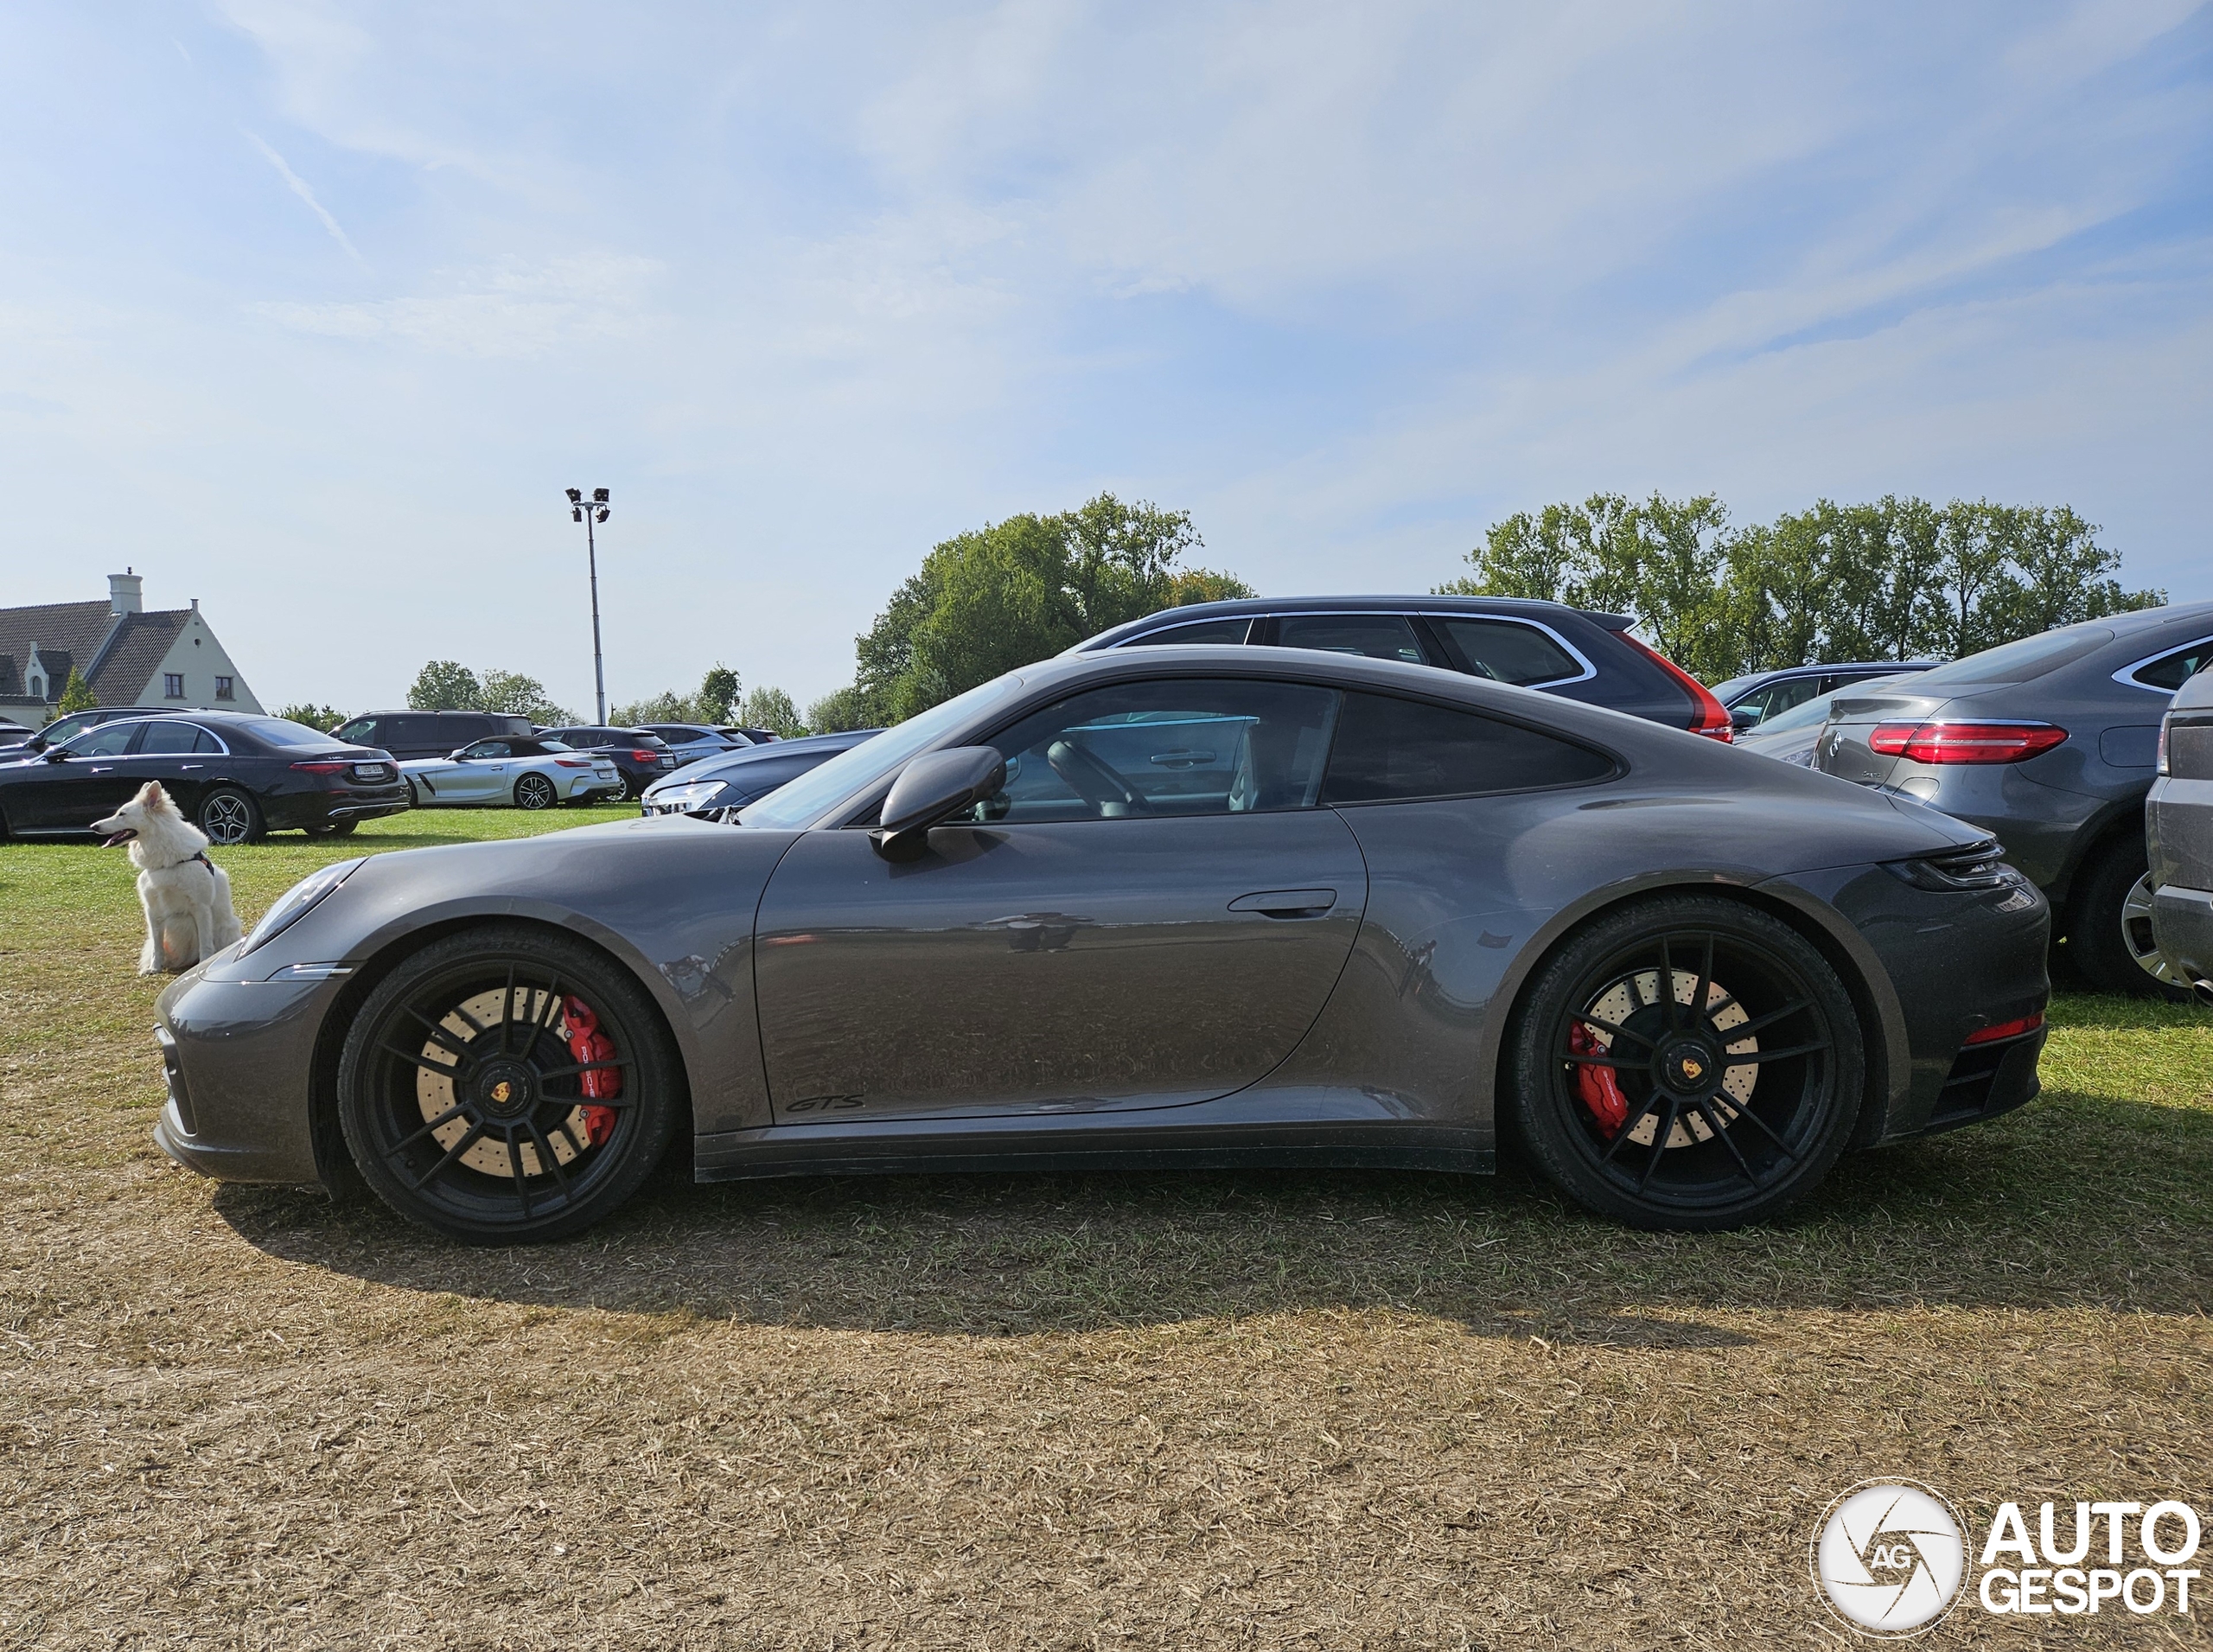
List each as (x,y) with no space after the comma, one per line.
(55,755)
(929,789)
(1745,716)
(459,754)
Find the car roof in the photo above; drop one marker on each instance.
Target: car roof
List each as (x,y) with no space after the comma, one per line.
(1531,607)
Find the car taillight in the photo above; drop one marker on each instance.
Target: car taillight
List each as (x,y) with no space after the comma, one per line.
(1964,743)
(322,768)
(1709,716)
(641,756)
(2006,1030)
(574,763)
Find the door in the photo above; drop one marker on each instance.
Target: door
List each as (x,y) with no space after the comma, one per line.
(89,781)
(480,775)
(179,755)
(1152,913)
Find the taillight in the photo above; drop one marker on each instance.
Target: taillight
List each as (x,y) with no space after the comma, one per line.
(574,763)
(1709,716)
(322,768)
(2006,1030)
(1964,743)
(641,756)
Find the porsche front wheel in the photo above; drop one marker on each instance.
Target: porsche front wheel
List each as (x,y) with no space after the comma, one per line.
(505,1086)
(1686,1063)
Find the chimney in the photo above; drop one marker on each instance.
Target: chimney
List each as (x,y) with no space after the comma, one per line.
(122,596)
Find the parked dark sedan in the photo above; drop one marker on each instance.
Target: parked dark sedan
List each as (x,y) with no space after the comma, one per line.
(235,775)
(642,758)
(2051,743)
(1569,652)
(1159,906)
(718,788)
(2178,821)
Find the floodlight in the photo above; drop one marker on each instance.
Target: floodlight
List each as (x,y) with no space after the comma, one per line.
(599,495)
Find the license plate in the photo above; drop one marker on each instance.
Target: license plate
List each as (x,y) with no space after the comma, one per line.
(372,771)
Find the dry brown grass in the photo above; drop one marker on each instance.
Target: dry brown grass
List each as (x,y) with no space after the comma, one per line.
(1264,1410)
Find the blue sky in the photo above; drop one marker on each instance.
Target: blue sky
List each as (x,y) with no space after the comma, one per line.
(311,311)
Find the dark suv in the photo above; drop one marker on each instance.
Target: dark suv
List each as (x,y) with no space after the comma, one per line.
(1548,646)
(643,758)
(408,735)
(2051,743)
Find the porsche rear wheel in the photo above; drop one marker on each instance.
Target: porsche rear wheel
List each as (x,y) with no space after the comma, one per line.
(1688,1062)
(505,1086)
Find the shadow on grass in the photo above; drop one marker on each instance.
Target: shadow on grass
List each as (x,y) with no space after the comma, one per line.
(2078,1201)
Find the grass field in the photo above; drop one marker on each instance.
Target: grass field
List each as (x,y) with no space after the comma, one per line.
(1260,1410)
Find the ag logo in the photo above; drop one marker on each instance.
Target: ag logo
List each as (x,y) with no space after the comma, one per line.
(1889,1557)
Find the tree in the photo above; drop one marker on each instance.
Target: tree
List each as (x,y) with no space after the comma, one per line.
(718,692)
(771,709)
(1016,591)
(446,685)
(77,694)
(325,717)
(1883,581)
(520,695)
(842,708)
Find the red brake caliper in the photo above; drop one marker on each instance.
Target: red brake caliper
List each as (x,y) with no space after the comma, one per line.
(588,1043)
(1596,1085)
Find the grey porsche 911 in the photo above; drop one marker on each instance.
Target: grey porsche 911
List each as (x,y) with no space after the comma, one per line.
(1194,907)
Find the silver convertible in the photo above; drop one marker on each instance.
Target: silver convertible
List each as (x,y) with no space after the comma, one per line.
(531,774)
(1156,907)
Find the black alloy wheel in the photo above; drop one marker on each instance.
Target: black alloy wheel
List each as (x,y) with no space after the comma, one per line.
(229,816)
(535,792)
(1716,1099)
(507,1086)
(2109,932)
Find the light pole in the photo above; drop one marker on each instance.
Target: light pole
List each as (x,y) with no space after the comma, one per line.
(580,511)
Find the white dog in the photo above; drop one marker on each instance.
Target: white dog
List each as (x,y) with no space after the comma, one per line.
(186,897)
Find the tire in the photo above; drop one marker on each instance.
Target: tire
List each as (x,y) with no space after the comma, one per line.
(228,816)
(535,792)
(1676,1153)
(503,1148)
(2109,926)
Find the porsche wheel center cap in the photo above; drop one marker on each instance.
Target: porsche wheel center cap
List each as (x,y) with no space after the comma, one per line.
(1689,1068)
(505,1089)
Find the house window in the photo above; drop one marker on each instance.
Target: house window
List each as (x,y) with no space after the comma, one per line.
(173,685)
(38,688)
(223,689)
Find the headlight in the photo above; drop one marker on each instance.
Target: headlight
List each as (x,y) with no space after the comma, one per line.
(295,902)
(699,794)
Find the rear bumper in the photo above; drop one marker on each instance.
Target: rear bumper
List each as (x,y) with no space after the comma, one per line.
(2182,920)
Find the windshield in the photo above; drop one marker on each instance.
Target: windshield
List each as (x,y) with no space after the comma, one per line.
(2016,662)
(808,799)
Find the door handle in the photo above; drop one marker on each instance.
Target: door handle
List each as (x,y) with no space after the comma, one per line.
(1286,902)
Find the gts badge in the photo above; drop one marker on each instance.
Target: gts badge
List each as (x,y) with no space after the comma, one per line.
(825,1104)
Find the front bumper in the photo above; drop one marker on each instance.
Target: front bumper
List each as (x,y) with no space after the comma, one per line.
(239,1059)
(2182,922)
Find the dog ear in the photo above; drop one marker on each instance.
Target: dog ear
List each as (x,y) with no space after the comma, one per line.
(156,799)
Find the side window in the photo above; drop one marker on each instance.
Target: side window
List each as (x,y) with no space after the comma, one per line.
(1388,750)
(1193,746)
(1232,630)
(1509,652)
(1792,691)
(1379,636)
(169,739)
(2175,669)
(208,745)
(486,748)
(361,731)
(109,740)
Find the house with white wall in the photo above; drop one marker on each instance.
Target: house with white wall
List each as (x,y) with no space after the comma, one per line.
(169,659)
